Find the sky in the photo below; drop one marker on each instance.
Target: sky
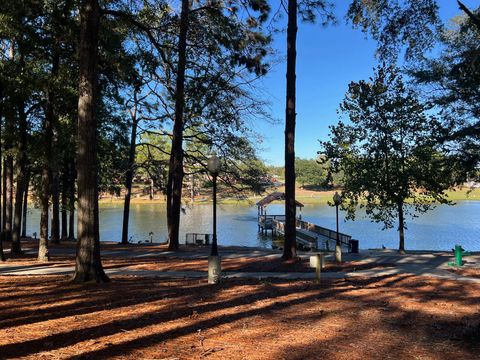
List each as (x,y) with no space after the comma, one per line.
(328,59)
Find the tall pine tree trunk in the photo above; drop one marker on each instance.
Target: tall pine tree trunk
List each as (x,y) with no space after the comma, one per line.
(4,203)
(25,205)
(55,232)
(43,254)
(55,186)
(88,265)
(8,168)
(401,228)
(21,172)
(175,170)
(8,197)
(2,255)
(130,171)
(290,245)
(64,203)
(71,200)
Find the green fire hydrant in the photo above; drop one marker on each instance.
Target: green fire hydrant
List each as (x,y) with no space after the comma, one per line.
(458,255)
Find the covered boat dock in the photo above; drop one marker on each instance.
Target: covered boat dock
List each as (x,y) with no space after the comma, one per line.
(309,236)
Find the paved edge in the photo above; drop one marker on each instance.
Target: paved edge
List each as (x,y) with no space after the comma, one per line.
(437,273)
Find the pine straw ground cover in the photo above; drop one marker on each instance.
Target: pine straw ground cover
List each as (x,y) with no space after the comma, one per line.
(467,271)
(397,317)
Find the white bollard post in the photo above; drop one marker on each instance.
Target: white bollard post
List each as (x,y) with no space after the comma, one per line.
(214,269)
(338,254)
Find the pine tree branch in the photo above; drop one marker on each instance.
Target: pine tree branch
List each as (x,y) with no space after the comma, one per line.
(471,15)
(131,19)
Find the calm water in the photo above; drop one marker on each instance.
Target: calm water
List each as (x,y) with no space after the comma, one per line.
(439,229)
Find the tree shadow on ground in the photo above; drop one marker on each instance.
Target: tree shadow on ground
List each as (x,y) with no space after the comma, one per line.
(383,326)
(145,314)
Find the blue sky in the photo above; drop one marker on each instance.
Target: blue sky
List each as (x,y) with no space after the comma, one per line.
(328,59)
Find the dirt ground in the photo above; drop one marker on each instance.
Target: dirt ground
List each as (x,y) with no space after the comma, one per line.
(467,271)
(391,317)
(387,317)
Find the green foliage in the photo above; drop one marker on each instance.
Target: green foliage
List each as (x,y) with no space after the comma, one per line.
(153,151)
(388,153)
(397,23)
(277,171)
(40,34)
(226,53)
(451,81)
(113,148)
(309,172)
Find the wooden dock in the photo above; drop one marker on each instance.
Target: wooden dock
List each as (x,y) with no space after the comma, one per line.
(309,235)
(267,222)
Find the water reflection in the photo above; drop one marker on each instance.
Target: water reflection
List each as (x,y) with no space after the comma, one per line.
(439,229)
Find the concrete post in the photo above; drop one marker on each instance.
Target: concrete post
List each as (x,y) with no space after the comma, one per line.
(338,254)
(214,269)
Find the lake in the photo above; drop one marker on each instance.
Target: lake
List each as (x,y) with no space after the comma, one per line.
(439,229)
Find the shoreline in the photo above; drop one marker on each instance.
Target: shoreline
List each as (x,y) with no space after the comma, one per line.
(304,196)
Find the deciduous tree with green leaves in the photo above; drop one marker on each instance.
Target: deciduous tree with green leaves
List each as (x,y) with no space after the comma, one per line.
(388,153)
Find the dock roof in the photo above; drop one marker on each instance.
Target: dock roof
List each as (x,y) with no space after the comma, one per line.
(275,196)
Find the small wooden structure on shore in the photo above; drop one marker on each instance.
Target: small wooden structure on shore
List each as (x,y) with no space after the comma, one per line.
(309,236)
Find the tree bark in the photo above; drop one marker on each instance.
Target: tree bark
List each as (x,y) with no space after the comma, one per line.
(475,19)
(2,254)
(54,175)
(43,253)
(151,189)
(65,177)
(401,228)
(4,203)
(25,204)
(192,188)
(290,245)
(55,232)
(8,168)
(17,216)
(88,265)
(130,170)
(21,172)
(8,197)
(71,222)
(71,207)
(175,170)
